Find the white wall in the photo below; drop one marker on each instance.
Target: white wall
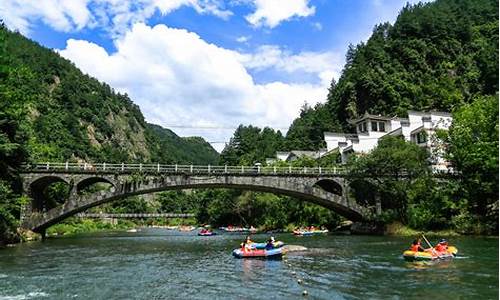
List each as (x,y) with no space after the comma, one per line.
(332,140)
(441,121)
(282,155)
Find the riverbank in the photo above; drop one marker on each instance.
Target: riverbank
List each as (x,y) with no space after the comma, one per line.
(75,226)
(78,225)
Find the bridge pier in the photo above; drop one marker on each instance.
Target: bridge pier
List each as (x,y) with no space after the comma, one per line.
(43,233)
(378,205)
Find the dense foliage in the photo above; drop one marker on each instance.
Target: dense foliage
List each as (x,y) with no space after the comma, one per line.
(436,56)
(67,115)
(473,150)
(51,111)
(398,177)
(222,207)
(12,153)
(250,145)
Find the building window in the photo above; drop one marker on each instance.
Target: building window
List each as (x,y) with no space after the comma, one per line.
(374,126)
(381,126)
(362,127)
(421,137)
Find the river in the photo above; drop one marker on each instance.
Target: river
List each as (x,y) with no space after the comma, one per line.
(162,264)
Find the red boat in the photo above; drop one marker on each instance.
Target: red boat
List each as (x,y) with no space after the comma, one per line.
(206,232)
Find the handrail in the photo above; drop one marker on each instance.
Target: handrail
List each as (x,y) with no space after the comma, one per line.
(135,215)
(179,169)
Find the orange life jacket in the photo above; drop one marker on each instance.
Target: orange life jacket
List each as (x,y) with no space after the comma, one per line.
(440,248)
(415,247)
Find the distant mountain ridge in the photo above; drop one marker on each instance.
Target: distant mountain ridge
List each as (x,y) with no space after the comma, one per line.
(67,115)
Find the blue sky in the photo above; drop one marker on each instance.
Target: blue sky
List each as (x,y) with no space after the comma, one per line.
(202,67)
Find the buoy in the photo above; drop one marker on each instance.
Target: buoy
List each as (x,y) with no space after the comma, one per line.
(299,281)
(304,293)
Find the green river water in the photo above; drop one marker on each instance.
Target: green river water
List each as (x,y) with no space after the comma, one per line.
(162,264)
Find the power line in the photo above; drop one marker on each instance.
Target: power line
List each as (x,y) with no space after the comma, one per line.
(221,127)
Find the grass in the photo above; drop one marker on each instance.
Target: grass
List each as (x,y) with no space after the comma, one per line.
(76,225)
(399,229)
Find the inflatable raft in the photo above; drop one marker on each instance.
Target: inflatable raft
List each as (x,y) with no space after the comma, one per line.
(277,244)
(206,233)
(309,233)
(259,253)
(430,255)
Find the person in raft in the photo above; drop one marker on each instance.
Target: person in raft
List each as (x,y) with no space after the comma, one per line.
(270,243)
(416,247)
(246,245)
(442,246)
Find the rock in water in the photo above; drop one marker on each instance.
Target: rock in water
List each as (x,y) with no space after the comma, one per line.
(294,248)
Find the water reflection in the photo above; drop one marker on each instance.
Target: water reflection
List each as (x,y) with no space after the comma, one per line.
(253,268)
(424,265)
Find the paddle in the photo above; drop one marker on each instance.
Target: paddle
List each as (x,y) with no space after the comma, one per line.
(433,250)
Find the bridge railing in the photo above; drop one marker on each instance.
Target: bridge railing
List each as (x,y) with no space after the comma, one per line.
(134,215)
(179,169)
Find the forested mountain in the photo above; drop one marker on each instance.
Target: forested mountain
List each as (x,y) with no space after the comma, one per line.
(168,147)
(436,56)
(51,111)
(67,115)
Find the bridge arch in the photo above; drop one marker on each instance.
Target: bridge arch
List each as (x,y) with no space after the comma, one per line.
(88,181)
(330,186)
(37,188)
(306,188)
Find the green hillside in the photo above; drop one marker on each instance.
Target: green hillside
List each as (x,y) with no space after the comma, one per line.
(51,111)
(67,115)
(436,56)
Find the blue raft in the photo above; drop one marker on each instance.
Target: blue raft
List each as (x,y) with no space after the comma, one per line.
(277,244)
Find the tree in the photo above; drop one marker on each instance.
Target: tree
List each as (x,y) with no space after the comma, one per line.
(389,171)
(473,152)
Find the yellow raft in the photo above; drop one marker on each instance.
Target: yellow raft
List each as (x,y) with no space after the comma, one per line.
(430,255)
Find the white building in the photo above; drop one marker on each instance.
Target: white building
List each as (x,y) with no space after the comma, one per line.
(419,127)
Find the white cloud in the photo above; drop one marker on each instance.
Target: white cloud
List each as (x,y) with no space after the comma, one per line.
(178,78)
(62,15)
(271,13)
(325,65)
(317,26)
(115,15)
(243,39)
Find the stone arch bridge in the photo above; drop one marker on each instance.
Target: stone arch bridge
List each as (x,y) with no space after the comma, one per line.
(323,186)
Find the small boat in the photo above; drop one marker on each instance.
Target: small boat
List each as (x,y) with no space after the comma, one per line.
(233,229)
(309,232)
(430,255)
(206,233)
(259,253)
(277,244)
(132,230)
